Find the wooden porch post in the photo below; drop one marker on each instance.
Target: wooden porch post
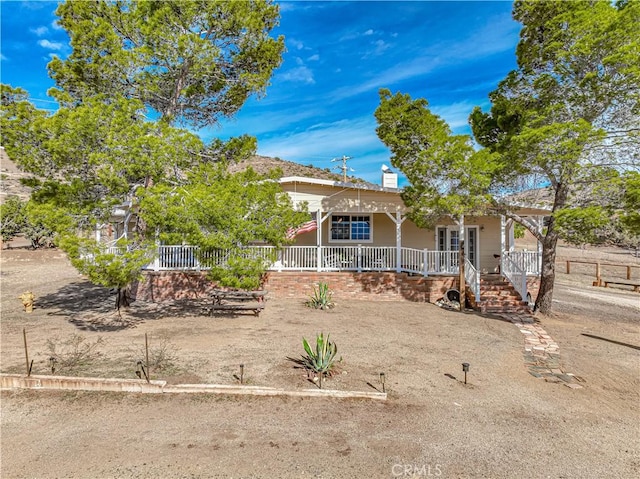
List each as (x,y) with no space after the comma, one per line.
(399,221)
(503,241)
(512,239)
(319,220)
(539,243)
(461,279)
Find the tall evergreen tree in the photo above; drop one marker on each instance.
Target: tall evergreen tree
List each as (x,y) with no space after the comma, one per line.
(180,63)
(567,117)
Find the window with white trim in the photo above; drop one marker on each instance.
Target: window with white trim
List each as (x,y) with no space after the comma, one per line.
(350,228)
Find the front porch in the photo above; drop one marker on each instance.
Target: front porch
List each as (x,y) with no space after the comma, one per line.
(344,258)
(415,274)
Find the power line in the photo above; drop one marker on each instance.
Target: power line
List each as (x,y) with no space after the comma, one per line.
(344,168)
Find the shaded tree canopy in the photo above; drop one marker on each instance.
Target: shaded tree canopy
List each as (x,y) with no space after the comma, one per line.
(138,69)
(567,118)
(190,61)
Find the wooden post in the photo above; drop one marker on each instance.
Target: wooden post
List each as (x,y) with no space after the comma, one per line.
(146,348)
(463,283)
(568,267)
(628,272)
(26,350)
(598,278)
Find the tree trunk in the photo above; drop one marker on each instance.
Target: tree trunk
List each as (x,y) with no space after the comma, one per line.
(548,273)
(549,244)
(122,299)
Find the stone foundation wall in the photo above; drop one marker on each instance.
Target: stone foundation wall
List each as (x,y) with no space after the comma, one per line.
(386,286)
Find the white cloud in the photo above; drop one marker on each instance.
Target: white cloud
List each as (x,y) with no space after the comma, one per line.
(343,137)
(298,45)
(496,36)
(388,78)
(56,26)
(39,31)
(314,58)
(381,46)
(3,58)
(299,61)
(50,45)
(499,33)
(368,32)
(299,74)
(456,115)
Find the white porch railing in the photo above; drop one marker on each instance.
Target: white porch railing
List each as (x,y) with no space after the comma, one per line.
(305,258)
(186,257)
(528,261)
(516,275)
(472,277)
(422,261)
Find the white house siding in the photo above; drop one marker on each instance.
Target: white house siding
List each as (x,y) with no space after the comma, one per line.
(414,237)
(339,199)
(343,200)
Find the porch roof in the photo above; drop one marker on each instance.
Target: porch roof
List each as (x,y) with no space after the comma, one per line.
(338,184)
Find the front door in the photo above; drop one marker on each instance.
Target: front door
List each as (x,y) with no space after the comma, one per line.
(448,239)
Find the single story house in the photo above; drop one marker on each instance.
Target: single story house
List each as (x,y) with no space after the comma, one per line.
(361,242)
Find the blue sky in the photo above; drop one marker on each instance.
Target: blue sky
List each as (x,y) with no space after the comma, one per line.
(339,54)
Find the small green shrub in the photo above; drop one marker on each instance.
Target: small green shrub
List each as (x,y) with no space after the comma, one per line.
(321,297)
(322,359)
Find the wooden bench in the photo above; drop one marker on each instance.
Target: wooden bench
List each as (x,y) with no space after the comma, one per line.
(237,301)
(622,282)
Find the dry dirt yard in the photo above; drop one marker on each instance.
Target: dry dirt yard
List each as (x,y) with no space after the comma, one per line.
(504,423)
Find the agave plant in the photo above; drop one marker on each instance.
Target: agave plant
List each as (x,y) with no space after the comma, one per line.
(322,360)
(321,297)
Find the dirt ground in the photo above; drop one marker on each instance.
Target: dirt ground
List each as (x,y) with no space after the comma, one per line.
(503,423)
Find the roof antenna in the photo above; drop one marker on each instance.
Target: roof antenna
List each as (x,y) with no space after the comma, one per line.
(344,168)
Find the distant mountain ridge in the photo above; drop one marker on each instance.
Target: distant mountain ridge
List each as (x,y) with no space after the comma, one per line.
(10,174)
(263,164)
(10,177)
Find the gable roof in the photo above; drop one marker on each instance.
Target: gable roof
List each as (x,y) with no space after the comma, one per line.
(338,184)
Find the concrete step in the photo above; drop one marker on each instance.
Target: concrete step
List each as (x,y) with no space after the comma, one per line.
(505,310)
(511,304)
(500,294)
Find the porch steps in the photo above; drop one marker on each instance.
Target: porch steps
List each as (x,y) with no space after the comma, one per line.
(498,296)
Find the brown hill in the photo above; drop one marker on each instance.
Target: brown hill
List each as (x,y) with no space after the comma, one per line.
(10,174)
(264,164)
(10,177)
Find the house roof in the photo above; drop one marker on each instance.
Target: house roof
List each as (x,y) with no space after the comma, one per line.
(523,207)
(338,184)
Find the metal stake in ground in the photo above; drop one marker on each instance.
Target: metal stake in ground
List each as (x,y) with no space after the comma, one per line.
(146,348)
(465,368)
(241,373)
(382,379)
(26,352)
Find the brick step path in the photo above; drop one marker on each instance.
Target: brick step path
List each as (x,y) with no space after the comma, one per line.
(541,352)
